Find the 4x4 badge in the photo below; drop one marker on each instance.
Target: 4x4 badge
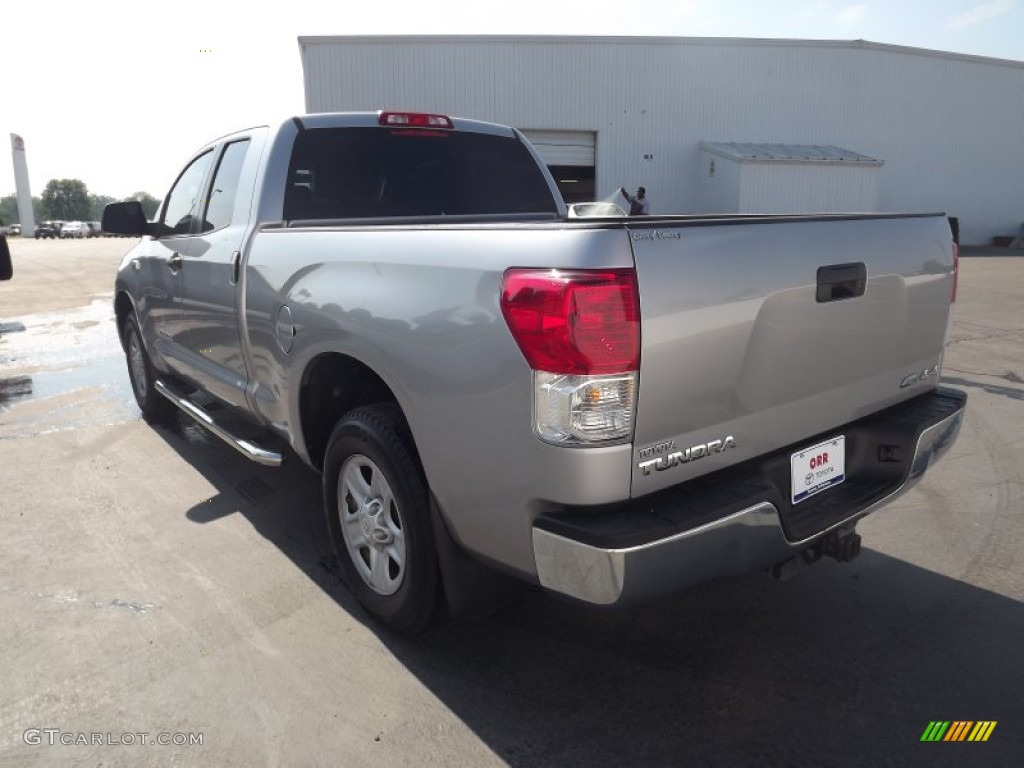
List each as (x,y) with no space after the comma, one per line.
(913,378)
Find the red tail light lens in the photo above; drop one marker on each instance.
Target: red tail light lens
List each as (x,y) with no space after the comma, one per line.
(956,271)
(574,321)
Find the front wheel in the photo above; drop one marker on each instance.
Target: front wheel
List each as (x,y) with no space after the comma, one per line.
(378,517)
(153,405)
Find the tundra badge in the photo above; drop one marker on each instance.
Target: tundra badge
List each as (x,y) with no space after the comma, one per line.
(692,453)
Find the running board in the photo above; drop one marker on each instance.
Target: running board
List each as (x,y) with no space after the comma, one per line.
(244,447)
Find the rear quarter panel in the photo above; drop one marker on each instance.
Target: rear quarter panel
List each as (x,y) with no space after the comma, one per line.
(421,307)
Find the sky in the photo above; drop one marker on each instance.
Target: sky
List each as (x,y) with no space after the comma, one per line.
(120,94)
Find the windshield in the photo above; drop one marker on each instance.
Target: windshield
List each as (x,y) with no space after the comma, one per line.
(340,173)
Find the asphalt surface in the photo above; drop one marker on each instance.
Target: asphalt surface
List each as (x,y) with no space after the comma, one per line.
(152,581)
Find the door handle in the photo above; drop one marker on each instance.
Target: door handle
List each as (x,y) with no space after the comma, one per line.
(175,262)
(841,281)
(236,260)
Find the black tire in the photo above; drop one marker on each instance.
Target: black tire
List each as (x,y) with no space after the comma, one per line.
(154,406)
(390,564)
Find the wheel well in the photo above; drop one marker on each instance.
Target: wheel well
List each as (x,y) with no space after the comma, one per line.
(332,385)
(122,309)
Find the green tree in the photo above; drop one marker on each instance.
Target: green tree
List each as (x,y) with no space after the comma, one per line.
(149,203)
(66,199)
(9,209)
(96,205)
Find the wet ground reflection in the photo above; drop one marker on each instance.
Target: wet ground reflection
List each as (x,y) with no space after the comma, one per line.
(15,386)
(62,370)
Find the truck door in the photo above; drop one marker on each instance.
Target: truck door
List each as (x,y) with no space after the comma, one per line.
(160,259)
(210,275)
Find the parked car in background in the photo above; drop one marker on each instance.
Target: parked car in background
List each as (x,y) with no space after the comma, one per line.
(47,229)
(94,229)
(14,230)
(74,229)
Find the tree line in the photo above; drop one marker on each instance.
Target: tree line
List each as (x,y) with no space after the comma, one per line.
(70,200)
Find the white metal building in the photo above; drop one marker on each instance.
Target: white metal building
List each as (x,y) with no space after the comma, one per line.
(781,178)
(933,131)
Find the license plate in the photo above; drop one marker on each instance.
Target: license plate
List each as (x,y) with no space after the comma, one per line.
(817,468)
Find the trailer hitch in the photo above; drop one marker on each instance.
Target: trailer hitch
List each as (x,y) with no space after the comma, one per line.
(842,544)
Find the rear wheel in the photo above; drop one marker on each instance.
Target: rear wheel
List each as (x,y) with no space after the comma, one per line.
(378,517)
(153,405)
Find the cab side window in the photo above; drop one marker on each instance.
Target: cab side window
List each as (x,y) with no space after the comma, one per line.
(184,200)
(224,189)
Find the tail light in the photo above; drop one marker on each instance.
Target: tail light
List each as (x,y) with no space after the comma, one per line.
(579,330)
(952,302)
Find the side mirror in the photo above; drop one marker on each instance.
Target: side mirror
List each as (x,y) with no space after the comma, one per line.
(6,267)
(125,218)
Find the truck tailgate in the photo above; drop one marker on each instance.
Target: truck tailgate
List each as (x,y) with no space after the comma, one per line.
(754,336)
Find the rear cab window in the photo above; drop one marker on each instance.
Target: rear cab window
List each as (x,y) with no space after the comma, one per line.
(224,189)
(354,173)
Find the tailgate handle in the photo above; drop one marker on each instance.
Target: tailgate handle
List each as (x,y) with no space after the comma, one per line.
(841,281)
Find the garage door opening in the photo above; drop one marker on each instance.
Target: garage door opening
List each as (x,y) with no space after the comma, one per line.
(570,157)
(576,183)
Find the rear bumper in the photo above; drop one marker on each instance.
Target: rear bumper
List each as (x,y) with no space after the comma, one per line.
(740,519)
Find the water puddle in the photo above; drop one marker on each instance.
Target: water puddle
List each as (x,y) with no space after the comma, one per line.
(62,370)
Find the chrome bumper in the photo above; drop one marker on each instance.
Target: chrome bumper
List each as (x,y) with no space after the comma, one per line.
(750,539)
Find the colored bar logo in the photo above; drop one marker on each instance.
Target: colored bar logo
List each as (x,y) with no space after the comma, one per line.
(958,730)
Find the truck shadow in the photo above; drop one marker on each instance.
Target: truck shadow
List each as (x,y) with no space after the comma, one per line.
(844,665)
(992,389)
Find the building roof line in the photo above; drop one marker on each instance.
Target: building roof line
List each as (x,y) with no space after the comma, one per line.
(773,152)
(311,40)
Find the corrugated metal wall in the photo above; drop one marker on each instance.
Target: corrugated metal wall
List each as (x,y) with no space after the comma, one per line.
(808,188)
(950,128)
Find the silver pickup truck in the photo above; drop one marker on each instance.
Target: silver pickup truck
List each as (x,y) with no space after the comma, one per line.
(612,409)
